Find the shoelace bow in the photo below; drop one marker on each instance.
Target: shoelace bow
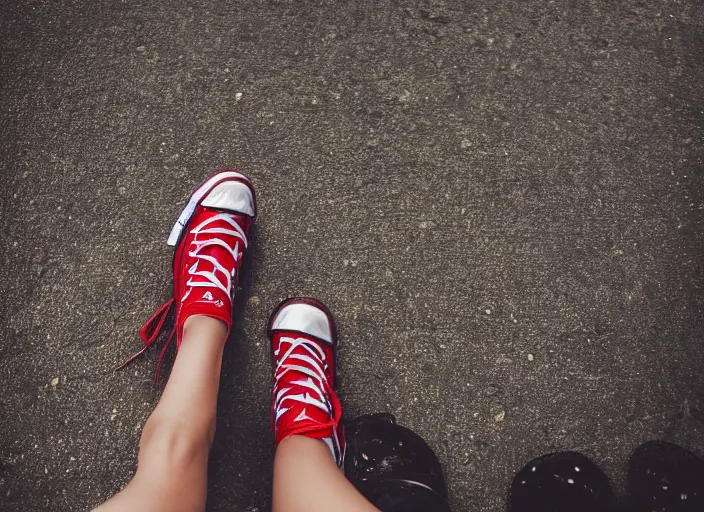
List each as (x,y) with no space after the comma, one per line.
(325,398)
(152,329)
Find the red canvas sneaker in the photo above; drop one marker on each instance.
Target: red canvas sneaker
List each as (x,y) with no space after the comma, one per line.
(303,341)
(210,237)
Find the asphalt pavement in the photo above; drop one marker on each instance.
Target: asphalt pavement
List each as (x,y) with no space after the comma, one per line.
(501,201)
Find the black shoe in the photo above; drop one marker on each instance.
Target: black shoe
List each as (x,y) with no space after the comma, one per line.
(393,467)
(561,482)
(664,477)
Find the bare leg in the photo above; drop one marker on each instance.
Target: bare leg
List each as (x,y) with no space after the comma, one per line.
(173,452)
(307,412)
(306,479)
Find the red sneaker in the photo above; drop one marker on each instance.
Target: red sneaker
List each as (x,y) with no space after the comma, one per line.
(303,341)
(210,237)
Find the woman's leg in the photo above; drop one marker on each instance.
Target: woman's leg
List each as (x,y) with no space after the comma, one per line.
(306,479)
(173,452)
(307,413)
(209,238)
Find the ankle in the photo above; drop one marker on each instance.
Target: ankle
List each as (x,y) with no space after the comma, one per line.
(204,327)
(307,445)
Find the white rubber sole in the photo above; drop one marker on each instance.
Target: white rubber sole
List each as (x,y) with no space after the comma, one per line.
(195,200)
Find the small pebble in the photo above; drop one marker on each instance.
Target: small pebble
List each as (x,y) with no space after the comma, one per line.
(530,357)
(238,96)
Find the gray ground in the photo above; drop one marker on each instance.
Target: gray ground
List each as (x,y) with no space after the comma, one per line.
(501,202)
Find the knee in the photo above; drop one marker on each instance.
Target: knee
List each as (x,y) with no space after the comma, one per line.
(174,444)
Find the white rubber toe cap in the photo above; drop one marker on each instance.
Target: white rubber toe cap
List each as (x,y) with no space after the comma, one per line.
(304,318)
(231,195)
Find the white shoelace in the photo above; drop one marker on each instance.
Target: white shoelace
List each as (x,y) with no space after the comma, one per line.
(212,280)
(315,372)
